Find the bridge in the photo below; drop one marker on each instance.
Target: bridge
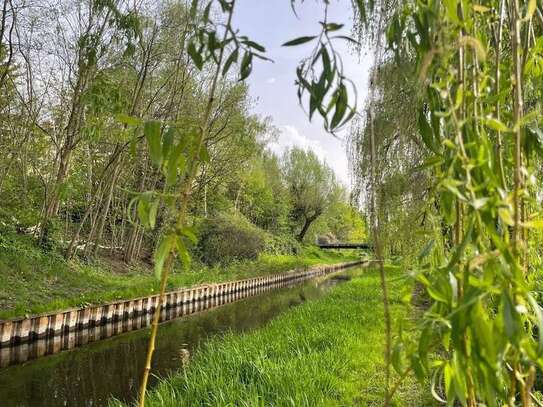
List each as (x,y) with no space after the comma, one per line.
(366,246)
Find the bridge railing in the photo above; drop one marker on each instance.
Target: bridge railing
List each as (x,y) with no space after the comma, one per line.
(365,246)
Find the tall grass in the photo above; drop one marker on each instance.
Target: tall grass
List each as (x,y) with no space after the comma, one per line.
(326,352)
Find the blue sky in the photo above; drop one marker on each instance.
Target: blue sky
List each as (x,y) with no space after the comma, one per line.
(271,23)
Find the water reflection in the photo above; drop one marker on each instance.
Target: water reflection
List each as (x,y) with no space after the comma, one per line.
(92,374)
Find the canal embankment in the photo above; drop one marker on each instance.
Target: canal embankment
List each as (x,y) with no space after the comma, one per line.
(35,281)
(111,368)
(33,328)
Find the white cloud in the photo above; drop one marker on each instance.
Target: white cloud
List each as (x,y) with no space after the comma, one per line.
(289,137)
(271,81)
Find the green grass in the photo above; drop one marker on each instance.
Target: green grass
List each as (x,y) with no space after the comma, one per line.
(323,353)
(34,281)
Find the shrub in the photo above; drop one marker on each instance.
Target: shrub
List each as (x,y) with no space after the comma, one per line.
(228,237)
(281,244)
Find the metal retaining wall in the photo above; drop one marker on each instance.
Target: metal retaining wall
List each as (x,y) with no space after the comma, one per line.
(27,330)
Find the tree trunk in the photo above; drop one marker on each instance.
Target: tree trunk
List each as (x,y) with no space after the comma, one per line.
(69,144)
(308,221)
(130,248)
(107,204)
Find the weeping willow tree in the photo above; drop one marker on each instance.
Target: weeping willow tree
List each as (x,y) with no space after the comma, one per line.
(457,152)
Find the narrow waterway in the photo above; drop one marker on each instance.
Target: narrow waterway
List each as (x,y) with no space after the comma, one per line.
(90,375)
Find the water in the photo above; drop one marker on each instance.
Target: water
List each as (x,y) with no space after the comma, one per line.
(91,374)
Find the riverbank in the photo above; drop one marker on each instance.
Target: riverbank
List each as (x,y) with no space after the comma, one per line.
(34,281)
(326,352)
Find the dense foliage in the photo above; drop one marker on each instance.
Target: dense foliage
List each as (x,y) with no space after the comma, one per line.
(225,238)
(450,148)
(79,120)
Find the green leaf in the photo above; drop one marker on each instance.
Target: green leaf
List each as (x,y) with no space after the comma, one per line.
(459,251)
(161,253)
(298,41)
(459,380)
(246,66)
(128,120)
(417,367)
(233,57)
(448,374)
(397,357)
(130,208)
(533,224)
(437,295)
(254,45)
(205,16)
(143,212)
(341,106)
(153,210)
(495,124)
(175,164)
(204,154)
(152,134)
(193,9)
(451,6)
(530,117)
(195,56)
(189,233)
(538,313)
(144,208)
(167,142)
(183,252)
(505,216)
(452,185)
(511,320)
(361,5)
(326,65)
(426,132)
(333,27)
(213,45)
(424,345)
(346,38)
(532,5)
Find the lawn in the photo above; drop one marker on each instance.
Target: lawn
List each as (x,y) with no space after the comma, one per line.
(328,352)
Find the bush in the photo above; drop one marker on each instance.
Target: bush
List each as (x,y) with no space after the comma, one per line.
(228,237)
(281,244)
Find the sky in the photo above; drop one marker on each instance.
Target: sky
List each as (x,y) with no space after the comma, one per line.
(271,85)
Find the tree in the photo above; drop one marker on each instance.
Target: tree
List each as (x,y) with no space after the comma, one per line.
(465,185)
(312,187)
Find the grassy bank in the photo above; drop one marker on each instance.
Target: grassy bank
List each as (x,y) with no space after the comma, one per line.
(322,353)
(34,281)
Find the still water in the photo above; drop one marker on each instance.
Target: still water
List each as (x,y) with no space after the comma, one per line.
(90,375)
